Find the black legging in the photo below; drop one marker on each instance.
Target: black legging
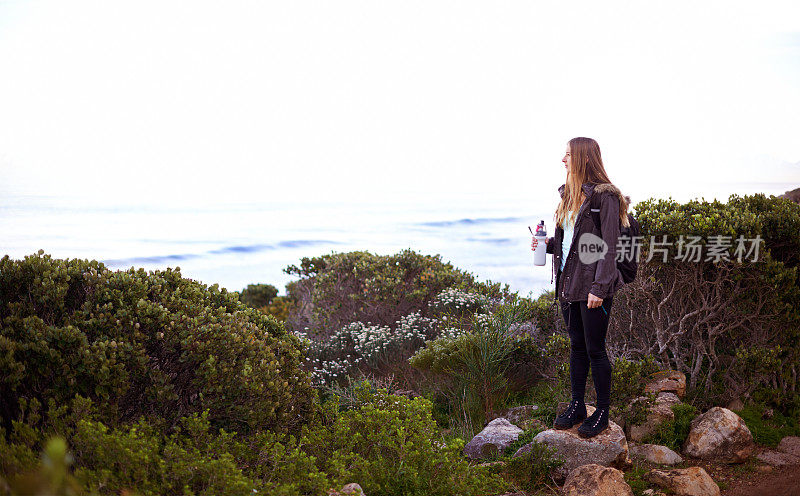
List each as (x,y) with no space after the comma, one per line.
(587,332)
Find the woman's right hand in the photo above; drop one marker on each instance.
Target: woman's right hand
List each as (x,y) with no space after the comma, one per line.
(535,242)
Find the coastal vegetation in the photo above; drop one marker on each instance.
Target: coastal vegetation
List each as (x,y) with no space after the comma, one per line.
(375,369)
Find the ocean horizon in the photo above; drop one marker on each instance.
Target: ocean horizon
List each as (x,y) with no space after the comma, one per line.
(234,245)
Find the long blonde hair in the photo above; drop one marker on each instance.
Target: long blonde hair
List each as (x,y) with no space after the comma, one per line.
(587,167)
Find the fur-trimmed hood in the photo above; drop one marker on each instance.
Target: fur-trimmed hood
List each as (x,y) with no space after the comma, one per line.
(589,188)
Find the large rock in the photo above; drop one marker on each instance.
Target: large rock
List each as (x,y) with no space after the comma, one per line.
(596,480)
(790,444)
(521,416)
(692,481)
(719,434)
(495,437)
(609,448)
(670,381)
(657,414)
(655,453)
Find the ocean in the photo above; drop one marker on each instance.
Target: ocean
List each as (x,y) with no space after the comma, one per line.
(234,245)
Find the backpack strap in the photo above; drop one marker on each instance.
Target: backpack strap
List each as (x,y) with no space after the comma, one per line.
(594,203)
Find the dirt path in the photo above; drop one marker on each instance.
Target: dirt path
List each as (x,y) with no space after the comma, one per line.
(782,481)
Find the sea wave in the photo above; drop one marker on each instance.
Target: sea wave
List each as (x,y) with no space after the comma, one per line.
(470,222)
(234,249)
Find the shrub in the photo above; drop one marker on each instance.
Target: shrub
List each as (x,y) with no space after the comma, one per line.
(770,429)
(779,219)
(340,288)
(628,379)
(697,317)
(673,433)
(281,307)
(455,300)
(258,295)
(134,456)
(546,314)
(142,343)
(367,348)
(392,446)
(475,369)
(532,470)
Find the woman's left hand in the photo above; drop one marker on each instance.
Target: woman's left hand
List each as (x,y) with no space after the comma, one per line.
(594,301)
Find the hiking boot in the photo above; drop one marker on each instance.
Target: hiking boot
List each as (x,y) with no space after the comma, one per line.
(575,413)
(595,424)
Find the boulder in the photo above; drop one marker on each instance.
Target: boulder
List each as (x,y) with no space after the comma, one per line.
(692,481)
(596,480)
(521,416)
(790,444)
(719,434)
(495,437)
(609,448)
(657,414)
(670,381)
(778,458)
(655,453)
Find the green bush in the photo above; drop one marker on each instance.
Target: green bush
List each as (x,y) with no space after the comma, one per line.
(698,317)
(770,430)
(532,470)
(780,224)
(635,478)
(339,288)
(144,343)
(391,445)
(478,369)
(134,456)
(546,314)
(281,307)
(673,433)
(628,379)
(367,348)
(258,295)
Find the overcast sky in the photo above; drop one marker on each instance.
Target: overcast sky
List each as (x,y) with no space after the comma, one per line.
(180,102)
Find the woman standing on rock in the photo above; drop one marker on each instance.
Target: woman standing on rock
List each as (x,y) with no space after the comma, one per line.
(584,251)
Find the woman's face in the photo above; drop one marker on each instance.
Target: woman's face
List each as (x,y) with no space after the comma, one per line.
(567,160)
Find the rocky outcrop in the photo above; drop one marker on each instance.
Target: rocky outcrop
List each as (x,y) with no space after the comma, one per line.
(596,480)
(667,381)
(692,481)
(655,453)
(657,414)
(609,448)
(719,434)
(495,437)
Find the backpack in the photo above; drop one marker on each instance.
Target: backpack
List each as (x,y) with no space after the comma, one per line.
(627,235)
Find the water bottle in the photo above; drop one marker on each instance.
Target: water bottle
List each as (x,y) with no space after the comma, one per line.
(540,253)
